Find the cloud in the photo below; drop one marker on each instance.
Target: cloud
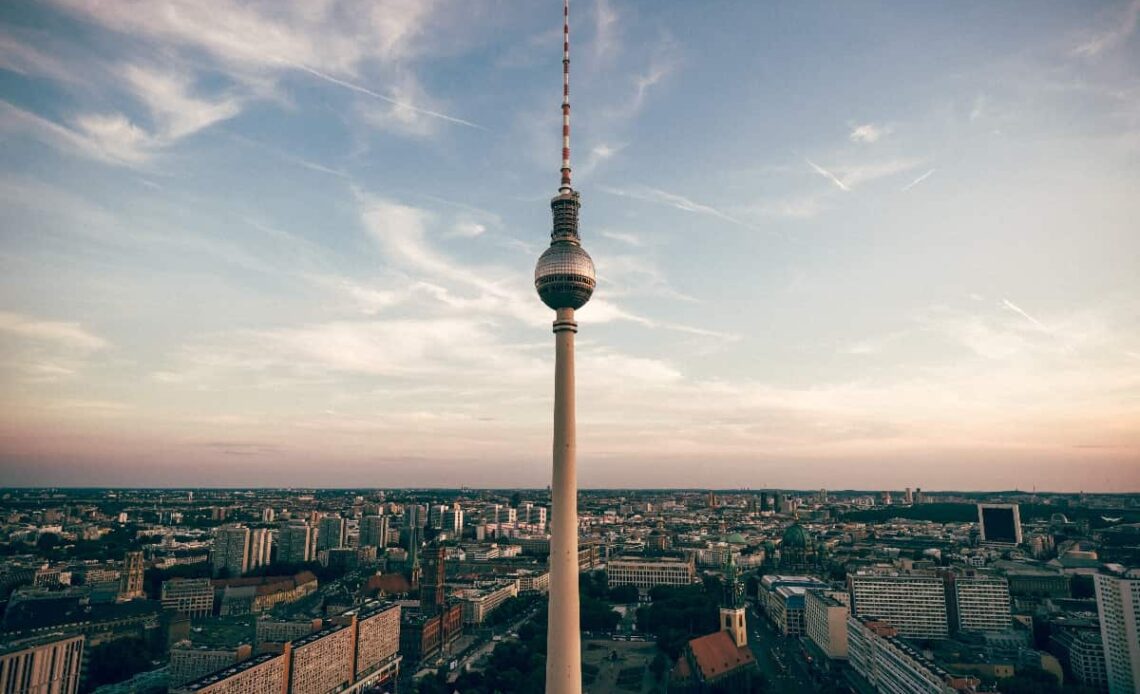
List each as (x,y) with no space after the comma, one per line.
(110,138)
(1009,305)
(679,202)
(828,175)
(869,133)
(621,237)
(175,110)
(850,177)
(64,334)
(468,229)
(1123,28)
(605,31)
(918,180)
(402,113)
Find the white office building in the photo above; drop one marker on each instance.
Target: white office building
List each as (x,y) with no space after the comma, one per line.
(1118,601)
(913,604)
(982,603)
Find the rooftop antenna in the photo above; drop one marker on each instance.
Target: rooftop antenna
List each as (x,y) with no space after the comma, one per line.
(565,185)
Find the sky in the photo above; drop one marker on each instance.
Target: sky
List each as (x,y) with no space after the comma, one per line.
(844,245)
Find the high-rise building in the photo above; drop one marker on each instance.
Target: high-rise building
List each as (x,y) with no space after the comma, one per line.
(909,496)
(980,603)
(432,592)
(131,579)
(915,605)
(999,524)
(825,621)
(260,548)
(453,521)
(564,278)
(1118,602)
(189,597)
(374,531)
(231,550)
(294,543)
(414,519)
(330,533)
(42,665)
(268,515)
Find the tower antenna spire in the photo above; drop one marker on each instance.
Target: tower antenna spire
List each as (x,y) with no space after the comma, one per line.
(564,187)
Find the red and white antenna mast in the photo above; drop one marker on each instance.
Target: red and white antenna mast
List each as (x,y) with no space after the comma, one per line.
(565,185)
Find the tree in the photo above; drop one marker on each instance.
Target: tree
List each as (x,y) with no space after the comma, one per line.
(1029,681)
(623,594)
(47,542)
(516,500)
(659,665)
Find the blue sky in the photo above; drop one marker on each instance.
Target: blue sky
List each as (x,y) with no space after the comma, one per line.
(869,245)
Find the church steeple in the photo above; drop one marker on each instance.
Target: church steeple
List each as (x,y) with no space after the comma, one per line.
(732,605)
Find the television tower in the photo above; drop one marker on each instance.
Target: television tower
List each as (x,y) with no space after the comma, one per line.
(564,278)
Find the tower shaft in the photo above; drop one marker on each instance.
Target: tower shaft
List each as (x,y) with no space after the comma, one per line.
(564,648)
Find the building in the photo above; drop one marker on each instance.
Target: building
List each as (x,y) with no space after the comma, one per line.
(772,599)
(376,658)
(647,573)
(478,603)
(261,593)
(231,551)
(825,622)
(322,662)
(263,674)
(1118,601)
(189,662)
(189,597)
(131,578)
(424,637)
(295,543)
(330,533)
(915,605)
(41,665)
(374,531)
(1081,651)
(722,661)
(980,603)
(892,666)
(268,630)
(260,548)
(999,524)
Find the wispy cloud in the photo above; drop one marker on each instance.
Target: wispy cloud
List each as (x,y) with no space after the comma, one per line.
(918,180)
(1009,305)
(403,111)
(1123,28)
(869,133)
(679,202)
(67,334)
(828,175)
(622,237)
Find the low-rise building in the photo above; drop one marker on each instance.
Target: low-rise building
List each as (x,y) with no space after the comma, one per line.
(478,603)
(189,597)
(645,574)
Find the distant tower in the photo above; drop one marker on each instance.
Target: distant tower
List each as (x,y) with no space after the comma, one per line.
(432,594)
(131,580)
(732,605)
(565,280)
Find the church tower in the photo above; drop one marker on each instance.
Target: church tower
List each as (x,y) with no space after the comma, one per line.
(732,606)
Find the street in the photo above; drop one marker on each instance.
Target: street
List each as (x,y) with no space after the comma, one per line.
(780,658)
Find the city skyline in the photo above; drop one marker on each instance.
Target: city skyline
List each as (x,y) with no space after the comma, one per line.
(285,244)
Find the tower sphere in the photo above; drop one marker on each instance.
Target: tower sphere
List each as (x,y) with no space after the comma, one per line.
(564,276)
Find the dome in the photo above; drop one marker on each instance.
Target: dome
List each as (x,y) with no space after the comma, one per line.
(1058,519)
(735,539)
(794,536)
(564,276)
